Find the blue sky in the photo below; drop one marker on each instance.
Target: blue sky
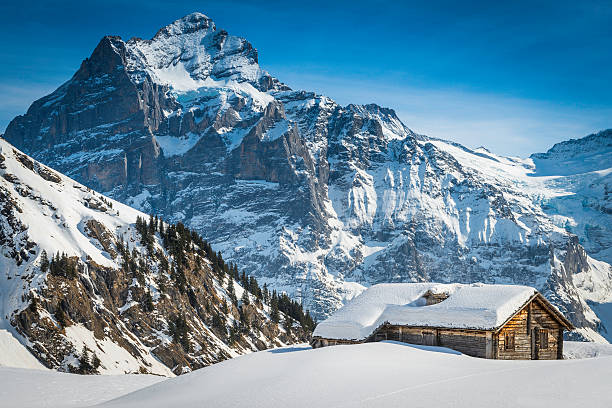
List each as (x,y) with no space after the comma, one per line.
(513,77)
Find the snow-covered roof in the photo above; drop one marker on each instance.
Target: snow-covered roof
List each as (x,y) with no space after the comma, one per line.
(473,306)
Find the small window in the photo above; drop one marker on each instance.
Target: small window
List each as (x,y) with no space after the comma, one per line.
(543,338)
(509,341)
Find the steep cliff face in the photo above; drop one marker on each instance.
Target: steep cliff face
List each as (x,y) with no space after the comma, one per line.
(581,169)
(88,287)
(314,198)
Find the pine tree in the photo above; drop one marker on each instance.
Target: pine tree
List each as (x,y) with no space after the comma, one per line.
(163,263)
(71,268)
(120,245)
(161,283)
(179,331)
(244,320)
(179,277)
(139,224)
(234,333)
(63,266)
(60,316)
(148,302)
(287,324)
(95,362)
(140,272)
(274,313)
(308,323)
(151,225)
(254,287)
(217,323)
(243,280)
(84,362)
(44,261)
(245,297)
(231,292)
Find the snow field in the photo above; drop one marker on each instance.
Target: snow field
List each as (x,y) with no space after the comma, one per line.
(381,374)
(27,388)
(386,374)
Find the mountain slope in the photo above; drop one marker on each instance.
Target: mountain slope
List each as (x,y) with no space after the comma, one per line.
(313,198)
(85,276)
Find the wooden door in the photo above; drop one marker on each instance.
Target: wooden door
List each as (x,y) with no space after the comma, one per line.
(535,343)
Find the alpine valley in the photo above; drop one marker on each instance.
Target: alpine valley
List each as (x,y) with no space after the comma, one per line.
(312,198)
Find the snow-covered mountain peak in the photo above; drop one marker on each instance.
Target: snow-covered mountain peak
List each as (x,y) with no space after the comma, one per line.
(482,149)
(190,23)
(375,122)
(600,142)
(186,55)
(576,156)
(190,51)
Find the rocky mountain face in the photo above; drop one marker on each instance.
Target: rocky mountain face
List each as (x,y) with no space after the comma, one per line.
(90,287)
(313,198)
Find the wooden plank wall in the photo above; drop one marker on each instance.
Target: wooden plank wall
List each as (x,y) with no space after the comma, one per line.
(519,324)
(522,340)
(543,319)
(470,342)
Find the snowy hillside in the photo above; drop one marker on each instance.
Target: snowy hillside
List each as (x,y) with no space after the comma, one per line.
(317,199)
(89,287)
(368,375)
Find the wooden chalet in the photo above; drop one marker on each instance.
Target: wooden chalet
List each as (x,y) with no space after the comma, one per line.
(489,321)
